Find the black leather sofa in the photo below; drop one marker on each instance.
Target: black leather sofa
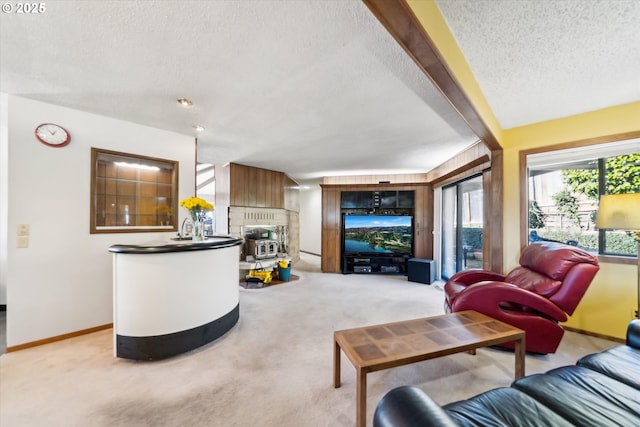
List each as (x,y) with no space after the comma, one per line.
(602,389)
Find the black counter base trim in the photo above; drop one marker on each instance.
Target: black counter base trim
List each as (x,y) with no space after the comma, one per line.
(163,346)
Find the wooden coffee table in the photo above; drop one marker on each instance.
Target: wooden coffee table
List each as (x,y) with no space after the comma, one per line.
(377,347)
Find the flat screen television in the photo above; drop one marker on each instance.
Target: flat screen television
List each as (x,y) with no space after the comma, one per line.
(377,234)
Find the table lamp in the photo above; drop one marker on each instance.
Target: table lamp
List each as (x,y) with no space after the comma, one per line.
(622,212)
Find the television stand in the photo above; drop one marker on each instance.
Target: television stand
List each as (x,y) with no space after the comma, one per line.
(377,264)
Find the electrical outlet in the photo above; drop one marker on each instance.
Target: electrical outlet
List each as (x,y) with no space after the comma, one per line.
(22,242)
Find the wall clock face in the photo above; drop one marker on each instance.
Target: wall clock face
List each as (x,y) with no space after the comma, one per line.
(52,135)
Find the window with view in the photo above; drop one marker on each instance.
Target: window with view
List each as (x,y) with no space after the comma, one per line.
(564,187)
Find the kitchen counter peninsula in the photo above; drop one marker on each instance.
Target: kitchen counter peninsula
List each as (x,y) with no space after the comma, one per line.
(173,297)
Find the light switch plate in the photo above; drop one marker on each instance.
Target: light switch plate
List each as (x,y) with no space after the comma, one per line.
(23,229)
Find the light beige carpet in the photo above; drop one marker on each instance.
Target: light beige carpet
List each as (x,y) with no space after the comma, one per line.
(274,368)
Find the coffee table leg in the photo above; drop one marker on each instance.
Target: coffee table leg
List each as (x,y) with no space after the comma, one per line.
(519,353)
(336,364)
(361,398)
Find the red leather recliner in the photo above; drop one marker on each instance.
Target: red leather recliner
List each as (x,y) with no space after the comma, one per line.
(547,286)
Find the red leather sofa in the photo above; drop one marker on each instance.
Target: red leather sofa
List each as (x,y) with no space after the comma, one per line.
(543,290)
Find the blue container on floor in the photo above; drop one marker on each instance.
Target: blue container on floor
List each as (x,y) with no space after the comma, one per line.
(284,273)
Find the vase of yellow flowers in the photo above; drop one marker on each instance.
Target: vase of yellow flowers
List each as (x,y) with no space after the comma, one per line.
(197,209)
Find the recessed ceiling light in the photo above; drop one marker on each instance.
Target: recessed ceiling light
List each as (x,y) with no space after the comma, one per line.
(198,128)
(185,102)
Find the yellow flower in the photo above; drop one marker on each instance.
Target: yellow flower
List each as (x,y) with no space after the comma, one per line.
(196,206)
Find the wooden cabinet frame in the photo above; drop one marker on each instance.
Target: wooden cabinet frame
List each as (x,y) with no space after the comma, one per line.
(332,217)
(132,193)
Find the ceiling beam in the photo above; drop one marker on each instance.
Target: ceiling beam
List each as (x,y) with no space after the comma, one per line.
(398,18)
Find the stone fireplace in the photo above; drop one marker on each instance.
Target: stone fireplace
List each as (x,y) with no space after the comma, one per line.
(280,225)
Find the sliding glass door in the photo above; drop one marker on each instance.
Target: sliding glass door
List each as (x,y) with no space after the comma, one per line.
(462,222)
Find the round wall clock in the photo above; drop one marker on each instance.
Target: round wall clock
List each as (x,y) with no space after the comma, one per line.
(52,135)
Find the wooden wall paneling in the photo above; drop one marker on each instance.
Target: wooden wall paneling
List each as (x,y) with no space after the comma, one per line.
(276,185)
(263,188)
(262,191)
(429,215)
(419,222)
(474,160)
(331,219)
(234,185)
(279,194)
(249,186)
(423,221)
(238,184)
(524,199)
(375,179)
(252,189)
(488,211)
(427,220)
(271,184)
(290,193)
(476,156)
(495,222)
(278,189)
(330,261)
(336,235)
(246,186)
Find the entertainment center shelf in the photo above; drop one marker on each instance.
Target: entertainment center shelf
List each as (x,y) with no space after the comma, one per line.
(374,264)
(377,231)
(391,199)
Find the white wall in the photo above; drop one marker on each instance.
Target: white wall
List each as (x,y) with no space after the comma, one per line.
(311,220)
(3,196)
(62,282)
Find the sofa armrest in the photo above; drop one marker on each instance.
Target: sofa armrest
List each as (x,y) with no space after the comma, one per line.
(408,406)
(468,277)
(633,334)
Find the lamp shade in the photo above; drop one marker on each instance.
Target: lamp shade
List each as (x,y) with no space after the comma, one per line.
(619,212)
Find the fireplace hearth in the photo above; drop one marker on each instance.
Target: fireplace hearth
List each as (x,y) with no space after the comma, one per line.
(268,233)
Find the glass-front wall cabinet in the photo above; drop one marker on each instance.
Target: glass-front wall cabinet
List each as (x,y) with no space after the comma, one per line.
(132,193)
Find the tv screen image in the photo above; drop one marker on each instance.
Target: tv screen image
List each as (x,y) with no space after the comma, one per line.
(378,234)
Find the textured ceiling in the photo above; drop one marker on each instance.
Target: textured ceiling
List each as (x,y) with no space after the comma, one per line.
(317,87)
(311,88)
(537,60)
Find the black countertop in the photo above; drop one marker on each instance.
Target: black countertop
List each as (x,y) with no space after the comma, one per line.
(214,242)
